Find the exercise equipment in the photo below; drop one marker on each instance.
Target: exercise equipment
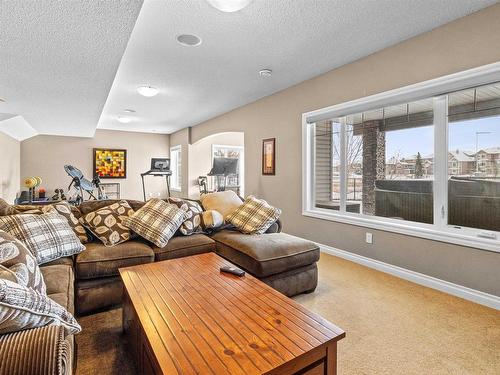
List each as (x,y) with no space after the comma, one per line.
(159,167)
(80,184)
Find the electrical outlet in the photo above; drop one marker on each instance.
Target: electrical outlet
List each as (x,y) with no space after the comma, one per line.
(369,237)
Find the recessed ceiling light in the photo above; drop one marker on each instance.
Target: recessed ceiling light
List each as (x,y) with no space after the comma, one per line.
(265,73)
(189,40)
(229,5)
(147,91)
(129,110)
(124,119)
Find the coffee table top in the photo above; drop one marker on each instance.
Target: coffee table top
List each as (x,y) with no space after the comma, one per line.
(198,320)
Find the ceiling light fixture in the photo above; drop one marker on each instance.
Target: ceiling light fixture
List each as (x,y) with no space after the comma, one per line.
(188,40)
(147,91)
(265,72)
(229,5)
(129,110)
(123,119)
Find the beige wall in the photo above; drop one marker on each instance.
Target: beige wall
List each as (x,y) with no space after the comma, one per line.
(10,159)
(45,156)
(466,43)
(200,157)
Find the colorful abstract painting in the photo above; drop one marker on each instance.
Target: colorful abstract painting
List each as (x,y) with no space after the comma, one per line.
(110,163)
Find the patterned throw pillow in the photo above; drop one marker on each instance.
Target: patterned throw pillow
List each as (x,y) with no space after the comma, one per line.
(192,223)
(157,221)
(24,308)
(254,216)
(18,264)
(71,213)
(107,223)
(48,236)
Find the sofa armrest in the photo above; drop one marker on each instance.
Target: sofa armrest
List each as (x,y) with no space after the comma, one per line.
(42,350)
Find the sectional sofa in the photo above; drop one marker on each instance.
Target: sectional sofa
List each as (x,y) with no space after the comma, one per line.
(90,282)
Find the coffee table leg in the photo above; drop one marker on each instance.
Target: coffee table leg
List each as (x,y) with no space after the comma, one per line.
(331,359)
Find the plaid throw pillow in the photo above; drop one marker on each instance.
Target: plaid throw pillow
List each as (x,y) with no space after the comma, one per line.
(254,216)
(192,223)
(71,214)
(24,308)
(157,221)
(48,236)
(18,264)
(107,223)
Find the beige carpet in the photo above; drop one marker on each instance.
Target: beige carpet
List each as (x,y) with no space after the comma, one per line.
(393,327)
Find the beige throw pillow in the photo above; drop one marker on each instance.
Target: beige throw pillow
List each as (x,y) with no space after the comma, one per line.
(157,221)
(107,223)
(224,201)
(254,216)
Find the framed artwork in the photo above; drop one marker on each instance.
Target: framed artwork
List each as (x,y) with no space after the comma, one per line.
(269,156)
(110,163)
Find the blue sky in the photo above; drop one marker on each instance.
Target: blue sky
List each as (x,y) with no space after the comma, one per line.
(462,135)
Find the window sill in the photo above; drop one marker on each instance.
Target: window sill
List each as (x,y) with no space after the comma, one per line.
(177,190)
(425,231)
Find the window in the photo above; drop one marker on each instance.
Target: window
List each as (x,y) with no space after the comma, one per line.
(427,166)
(175,166)
(232,181)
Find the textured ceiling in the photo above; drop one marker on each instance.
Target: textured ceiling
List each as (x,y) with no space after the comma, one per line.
(297,39)
(58,60)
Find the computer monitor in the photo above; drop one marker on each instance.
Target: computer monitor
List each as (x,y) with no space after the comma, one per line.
(160,164)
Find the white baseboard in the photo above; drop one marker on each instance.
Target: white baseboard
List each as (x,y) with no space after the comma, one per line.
(419,278)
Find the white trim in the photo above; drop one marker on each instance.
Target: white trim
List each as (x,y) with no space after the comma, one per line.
(426,231)
(432,88)
(469,294)
(178,186)
(458,81)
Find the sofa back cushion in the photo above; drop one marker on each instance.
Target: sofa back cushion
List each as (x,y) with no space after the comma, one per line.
(93,205)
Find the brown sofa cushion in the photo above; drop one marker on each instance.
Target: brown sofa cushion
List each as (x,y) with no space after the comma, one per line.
(93,205)
(60,285)
(266,254)
(96,294)
(101,261)
(182,246)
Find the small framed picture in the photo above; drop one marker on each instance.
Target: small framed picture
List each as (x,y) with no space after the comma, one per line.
(269,156)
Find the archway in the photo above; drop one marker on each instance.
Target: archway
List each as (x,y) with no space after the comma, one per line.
(229,145)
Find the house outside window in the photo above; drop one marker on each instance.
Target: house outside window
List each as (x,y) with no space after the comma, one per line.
(176,168)
(427,167)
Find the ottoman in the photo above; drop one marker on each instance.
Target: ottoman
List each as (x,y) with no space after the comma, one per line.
(284,262)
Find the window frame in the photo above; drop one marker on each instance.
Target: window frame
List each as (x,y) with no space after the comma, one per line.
(176,182)
(438,89)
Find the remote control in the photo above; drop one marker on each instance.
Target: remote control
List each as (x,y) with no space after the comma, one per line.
(233,270)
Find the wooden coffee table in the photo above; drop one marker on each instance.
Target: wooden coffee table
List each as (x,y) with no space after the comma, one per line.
(183,316)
